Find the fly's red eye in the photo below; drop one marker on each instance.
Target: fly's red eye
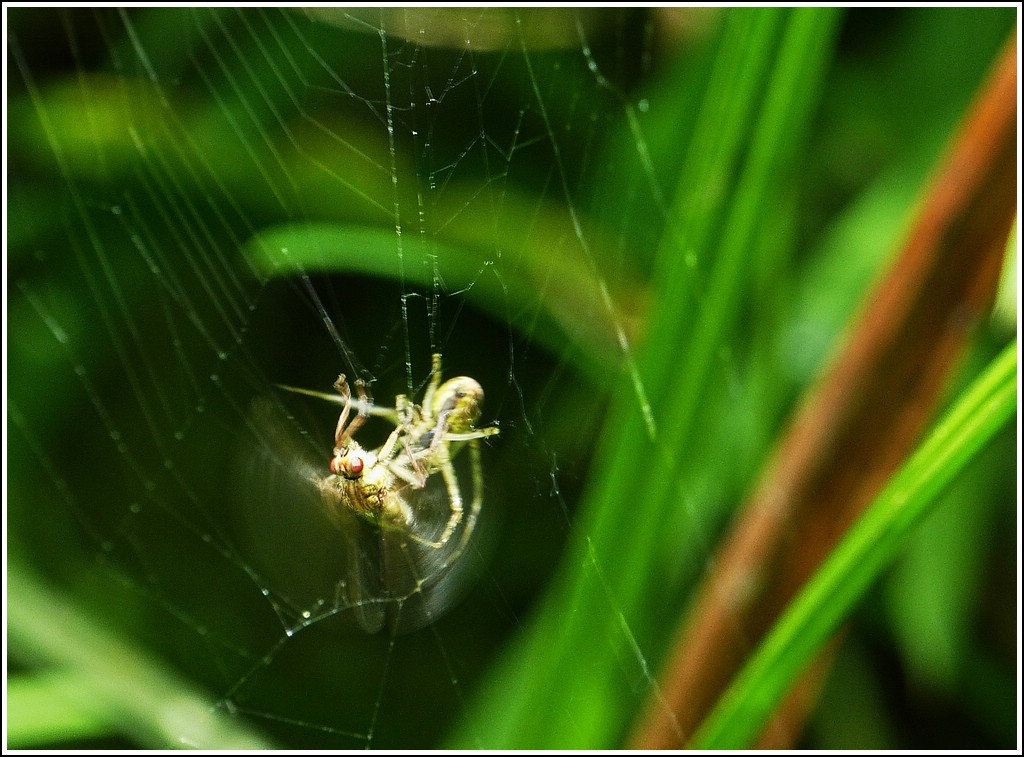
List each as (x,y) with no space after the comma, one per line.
(349,465)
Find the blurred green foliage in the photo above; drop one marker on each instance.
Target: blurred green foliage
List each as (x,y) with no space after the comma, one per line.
(171,170)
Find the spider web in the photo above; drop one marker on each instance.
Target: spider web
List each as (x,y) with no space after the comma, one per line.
(253,198)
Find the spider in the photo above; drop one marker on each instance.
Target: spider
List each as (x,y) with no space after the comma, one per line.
(426,438)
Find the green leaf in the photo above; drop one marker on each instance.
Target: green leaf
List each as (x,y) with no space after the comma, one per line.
(111,684)
(53,705)
(463,265)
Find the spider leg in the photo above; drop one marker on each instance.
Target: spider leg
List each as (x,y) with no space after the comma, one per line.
(416,476)
(455,501)
(435,382)
(477,433)
(414,459)
(447,438)
(477,472)
(388,450)
(471,515)
(454,496)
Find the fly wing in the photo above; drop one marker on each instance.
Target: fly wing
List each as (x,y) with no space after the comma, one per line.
(317,563)
(361,588)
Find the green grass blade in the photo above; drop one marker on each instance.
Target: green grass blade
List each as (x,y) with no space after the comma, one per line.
(868,549)
(120,687)
(564,683)
(53,706)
